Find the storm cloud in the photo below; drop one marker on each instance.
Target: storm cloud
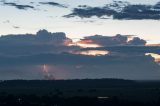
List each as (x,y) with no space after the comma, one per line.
(41,37)
(41,42)
(47,42)
(70,66)
(22,56)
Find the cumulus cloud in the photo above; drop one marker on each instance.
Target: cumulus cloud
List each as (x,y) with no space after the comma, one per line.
(41,37)
(41,42)
(137,41)
(53,4)
(47,42)
(117,40)
(119,10)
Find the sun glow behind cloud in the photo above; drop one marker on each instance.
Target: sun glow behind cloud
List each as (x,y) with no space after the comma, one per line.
(155,56)
(88,45)
(84,44)
(94,52)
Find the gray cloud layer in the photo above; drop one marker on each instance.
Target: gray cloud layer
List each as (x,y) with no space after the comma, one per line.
(129,50)
(119,10)
(80,66)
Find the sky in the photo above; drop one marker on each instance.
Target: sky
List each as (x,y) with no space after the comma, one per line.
(13,20)
(48,39)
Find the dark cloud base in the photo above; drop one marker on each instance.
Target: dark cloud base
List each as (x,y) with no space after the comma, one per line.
(70,66)
(73,59)
(130,50)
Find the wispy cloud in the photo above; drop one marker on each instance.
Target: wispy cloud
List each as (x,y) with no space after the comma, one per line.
(16,27)
(53,4)
(6,21)
(18,6)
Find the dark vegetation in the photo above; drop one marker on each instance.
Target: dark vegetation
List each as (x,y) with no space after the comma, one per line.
(95,92)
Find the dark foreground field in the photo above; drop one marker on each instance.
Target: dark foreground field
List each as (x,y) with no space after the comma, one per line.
(98,92)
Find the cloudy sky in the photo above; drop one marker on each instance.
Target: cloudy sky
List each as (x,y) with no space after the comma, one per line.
(40,15)
(119,31)
(47,55)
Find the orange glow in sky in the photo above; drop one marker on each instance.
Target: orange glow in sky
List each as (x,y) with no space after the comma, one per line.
(94,52)
(87,43)
(155,56)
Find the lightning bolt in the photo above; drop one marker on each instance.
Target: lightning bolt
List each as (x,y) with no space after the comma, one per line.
(47,75)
